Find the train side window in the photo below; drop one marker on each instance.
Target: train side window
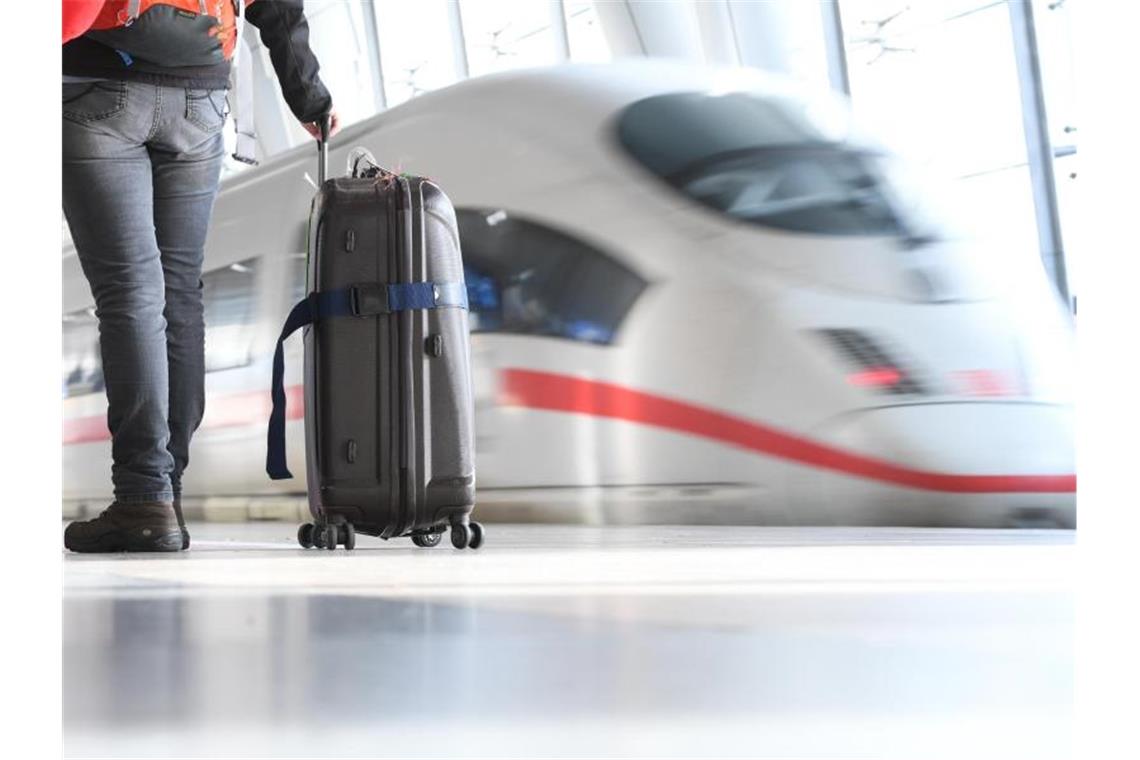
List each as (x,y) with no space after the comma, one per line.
(228,297)
(528,278)
(82,363)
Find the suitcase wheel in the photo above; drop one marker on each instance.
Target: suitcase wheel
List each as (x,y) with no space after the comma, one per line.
(467,536)
(427,540)
(476,539)
(330,537)
(326,536)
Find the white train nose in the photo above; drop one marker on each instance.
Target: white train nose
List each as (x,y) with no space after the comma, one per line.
(965,438)
(950,464)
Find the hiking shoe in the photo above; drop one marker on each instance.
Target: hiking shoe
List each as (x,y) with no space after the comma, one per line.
(181,523)
(143,527)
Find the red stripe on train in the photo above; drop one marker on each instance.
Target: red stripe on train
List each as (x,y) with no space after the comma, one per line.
(560,393)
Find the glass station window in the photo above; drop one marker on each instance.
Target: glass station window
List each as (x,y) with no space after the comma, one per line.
(508,34)
(228,297)
(584,33)
(776,162)
(82,364)
(415,48)
(528,278)
(938,81)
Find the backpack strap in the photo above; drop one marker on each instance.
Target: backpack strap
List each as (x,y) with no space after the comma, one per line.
(363,300)
(241,105)
(241,94)
(132,12)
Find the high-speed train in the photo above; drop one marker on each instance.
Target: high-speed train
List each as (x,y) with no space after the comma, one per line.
(696,295)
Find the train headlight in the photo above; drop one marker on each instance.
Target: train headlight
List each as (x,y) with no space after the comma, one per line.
(876,377)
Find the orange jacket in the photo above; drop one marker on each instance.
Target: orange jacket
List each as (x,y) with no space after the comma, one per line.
(78,15)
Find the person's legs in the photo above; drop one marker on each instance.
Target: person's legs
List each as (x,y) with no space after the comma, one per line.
(186,158)
(107,199)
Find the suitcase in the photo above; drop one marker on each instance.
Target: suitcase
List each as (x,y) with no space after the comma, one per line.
(389,439)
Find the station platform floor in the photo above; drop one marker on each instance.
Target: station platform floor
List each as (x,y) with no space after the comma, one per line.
(577,641)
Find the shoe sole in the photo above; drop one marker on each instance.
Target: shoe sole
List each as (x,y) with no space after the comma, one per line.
(132,540)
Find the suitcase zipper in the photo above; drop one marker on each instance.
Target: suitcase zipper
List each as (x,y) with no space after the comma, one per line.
(407,357)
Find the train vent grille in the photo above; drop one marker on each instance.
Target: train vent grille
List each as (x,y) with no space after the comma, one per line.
(873,367)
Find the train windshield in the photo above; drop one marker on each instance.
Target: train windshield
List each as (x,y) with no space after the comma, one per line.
(776,162)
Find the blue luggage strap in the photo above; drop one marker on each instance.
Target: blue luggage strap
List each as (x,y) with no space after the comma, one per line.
(366,300)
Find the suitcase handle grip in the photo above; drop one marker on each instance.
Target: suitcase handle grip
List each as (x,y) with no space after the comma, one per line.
(323,149)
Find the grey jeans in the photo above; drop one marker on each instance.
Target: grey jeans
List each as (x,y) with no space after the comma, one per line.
(140,173)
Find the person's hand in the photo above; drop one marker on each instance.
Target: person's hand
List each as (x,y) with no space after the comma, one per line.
(314,128)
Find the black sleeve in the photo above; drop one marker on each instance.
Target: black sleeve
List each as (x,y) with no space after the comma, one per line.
(285,32)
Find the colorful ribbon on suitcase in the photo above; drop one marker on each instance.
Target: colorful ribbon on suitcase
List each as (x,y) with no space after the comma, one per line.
(355,301)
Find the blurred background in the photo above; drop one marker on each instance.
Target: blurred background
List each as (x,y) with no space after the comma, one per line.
(780,262)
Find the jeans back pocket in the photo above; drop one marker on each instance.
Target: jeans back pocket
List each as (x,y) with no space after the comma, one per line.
(93,101)
(206,109)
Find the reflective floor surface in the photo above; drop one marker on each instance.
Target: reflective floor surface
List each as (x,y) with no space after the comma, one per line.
(576,642)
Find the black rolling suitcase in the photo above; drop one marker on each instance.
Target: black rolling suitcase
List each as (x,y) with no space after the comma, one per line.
(389,440)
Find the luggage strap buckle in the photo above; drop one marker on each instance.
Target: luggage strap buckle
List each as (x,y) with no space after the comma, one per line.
(369,300)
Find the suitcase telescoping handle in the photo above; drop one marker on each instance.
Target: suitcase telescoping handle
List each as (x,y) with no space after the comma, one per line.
(323,149)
